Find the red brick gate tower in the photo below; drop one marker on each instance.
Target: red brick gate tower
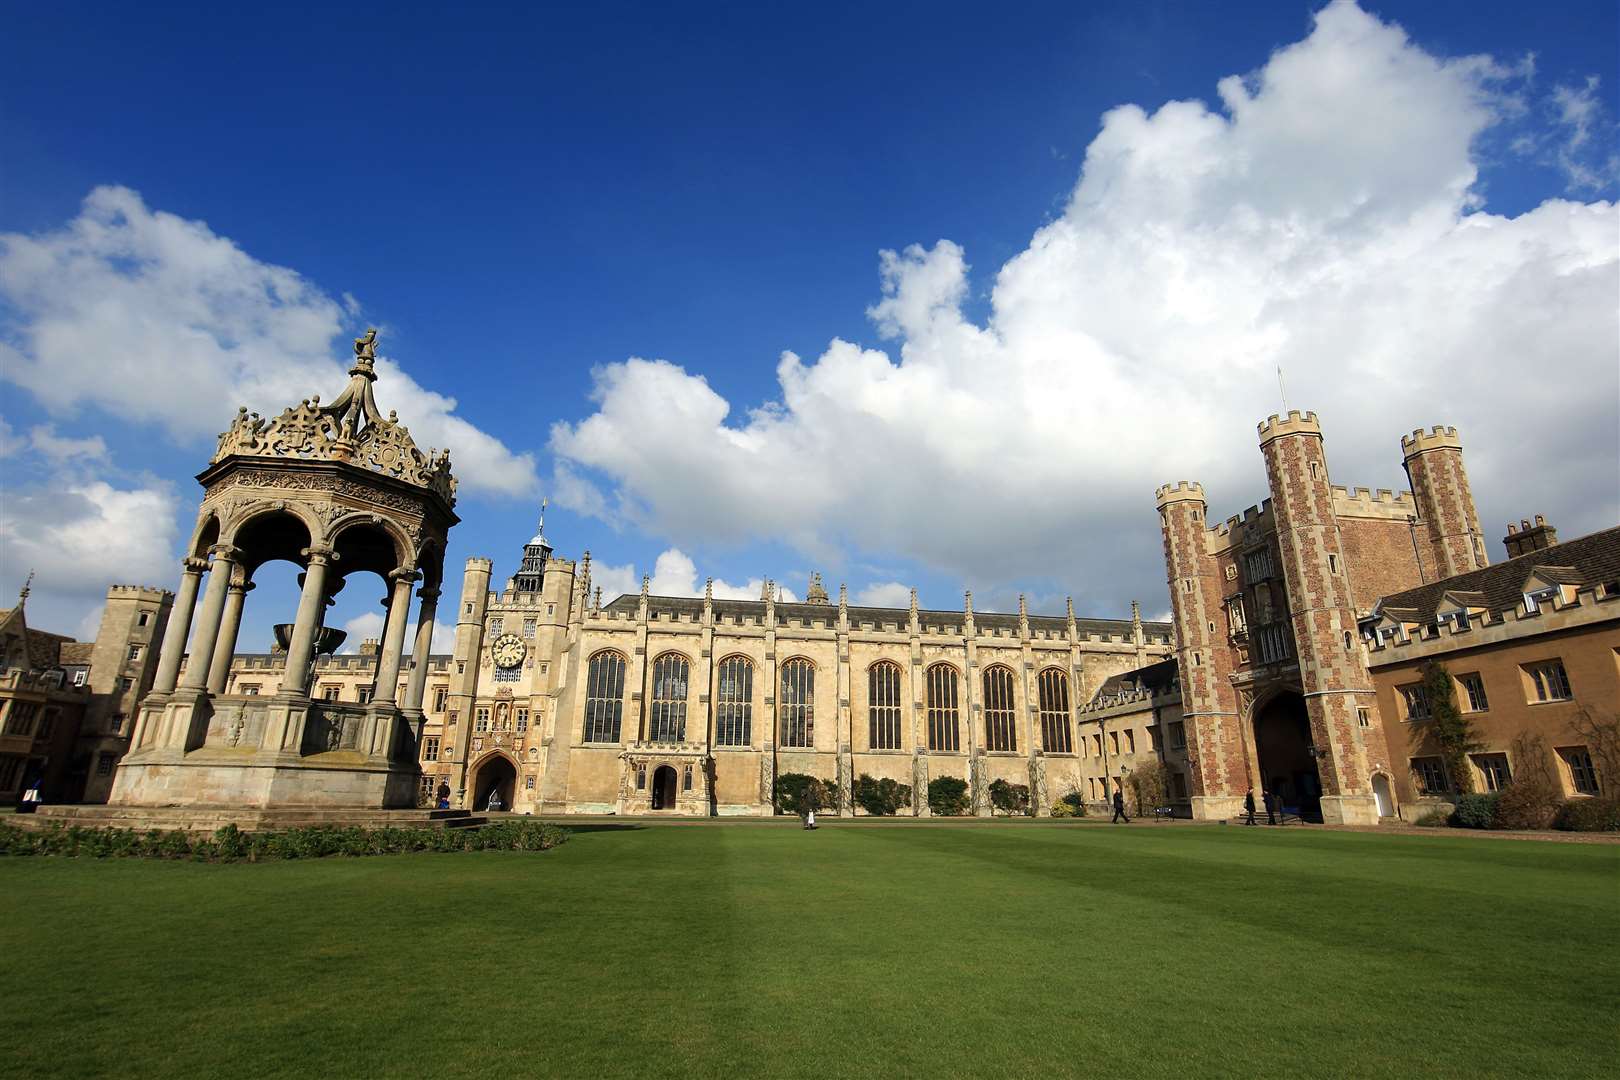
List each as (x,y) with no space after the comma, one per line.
(1332,672)
(1445,504)
(1215,759)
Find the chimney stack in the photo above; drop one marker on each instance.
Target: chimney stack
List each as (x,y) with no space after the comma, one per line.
(1524,538)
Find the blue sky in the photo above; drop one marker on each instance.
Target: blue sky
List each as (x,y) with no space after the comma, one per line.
(522,197)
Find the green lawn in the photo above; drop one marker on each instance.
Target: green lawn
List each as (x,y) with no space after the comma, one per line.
(1024,952)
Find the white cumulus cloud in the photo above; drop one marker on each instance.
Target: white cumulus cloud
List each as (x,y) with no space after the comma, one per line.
(159,319)
(1324,218)
(675,574)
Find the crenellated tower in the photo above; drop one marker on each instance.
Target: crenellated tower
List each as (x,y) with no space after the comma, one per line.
(1444,501)
(1332,673)
(1216,756)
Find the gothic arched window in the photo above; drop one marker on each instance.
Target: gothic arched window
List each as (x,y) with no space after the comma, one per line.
(796,705)
(604,698)
(734,702)
(999,718)
(883,705)
(1053,686)
(670,677)
(944,709)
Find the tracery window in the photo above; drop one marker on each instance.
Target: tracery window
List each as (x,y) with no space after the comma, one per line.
(667,722)
(999,719)
(604,698)
(734,704)
(796,705)
(1053,688)
(944,709)
(883,705)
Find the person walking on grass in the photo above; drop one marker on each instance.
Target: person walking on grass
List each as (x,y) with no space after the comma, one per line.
(1248,807)
(1119,807)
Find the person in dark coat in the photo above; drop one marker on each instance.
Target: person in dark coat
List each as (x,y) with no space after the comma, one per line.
(1119,807)
(443,795)
(1271,807)
(1248,807)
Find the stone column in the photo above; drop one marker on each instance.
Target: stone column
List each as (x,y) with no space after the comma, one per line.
(424,645)
(225,646)
(311,602)
(208,623)
(393,644)
(174,638)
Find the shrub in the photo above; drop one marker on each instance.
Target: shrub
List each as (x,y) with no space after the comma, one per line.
(1009,798)
(798,792)
(1075,803)
(1589,815)
(947,796)
(1475,811)
(230,844)
(1534,797)
(881,798)
(1149,785)
(1450,727)
(1434,819)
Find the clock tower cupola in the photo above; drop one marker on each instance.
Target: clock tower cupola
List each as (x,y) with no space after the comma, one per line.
(531,573)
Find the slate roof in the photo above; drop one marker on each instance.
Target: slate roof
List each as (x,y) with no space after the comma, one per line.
(627,604)
(77,653)
(1586,560)
(1157,677)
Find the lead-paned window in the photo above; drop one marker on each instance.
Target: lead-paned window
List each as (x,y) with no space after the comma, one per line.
(1053,689)
(1582,775)
(999,718)
(883,705)
(1430,775)
(734,704)
(796,705)
(667,722)
(944,709)
(604,698)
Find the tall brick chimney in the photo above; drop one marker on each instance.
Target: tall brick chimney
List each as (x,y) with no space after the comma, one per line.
(1524,538)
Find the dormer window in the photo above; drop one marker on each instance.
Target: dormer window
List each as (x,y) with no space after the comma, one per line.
(1459,617)
(1534,600)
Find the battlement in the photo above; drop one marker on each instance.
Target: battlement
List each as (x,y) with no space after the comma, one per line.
(1295,423)
(1438,438)
(1360,502)
(480,563)
(138,592)
(1236,525)
(1180,491)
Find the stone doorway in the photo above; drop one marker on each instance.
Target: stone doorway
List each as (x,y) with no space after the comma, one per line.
(663,788)
(1282,742)
(495,776)
(1383,796)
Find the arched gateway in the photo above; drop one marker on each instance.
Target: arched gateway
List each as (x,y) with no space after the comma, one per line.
(337,490)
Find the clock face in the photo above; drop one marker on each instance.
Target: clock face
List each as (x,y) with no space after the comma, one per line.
(508,651)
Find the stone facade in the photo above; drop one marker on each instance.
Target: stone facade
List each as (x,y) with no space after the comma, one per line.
(1274,680)
(1303,624)
(66,706)
(1532,646)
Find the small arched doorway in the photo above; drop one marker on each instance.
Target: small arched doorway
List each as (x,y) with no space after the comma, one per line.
(1383,796)
(495,776)
(663,788)
(1282,743)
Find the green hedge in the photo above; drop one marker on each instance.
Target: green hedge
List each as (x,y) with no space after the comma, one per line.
(1009,798)
(1475,812)
(318,841)
(881,798)
(947,796)
(797,792)
(1589,815)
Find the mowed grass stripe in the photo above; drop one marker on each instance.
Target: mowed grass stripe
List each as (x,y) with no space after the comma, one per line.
(773,952)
